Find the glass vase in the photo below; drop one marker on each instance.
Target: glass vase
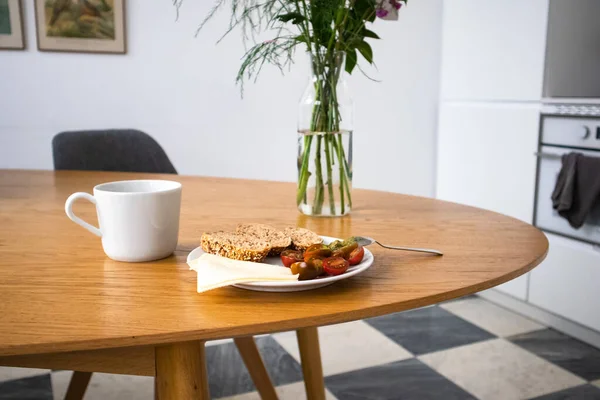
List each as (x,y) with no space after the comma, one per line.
(325,124)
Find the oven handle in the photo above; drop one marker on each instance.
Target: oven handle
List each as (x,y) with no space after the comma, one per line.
(553,156)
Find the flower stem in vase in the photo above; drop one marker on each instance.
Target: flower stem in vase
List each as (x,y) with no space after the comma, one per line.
(319,195)
(342,176)
(344,170)
(328,159)
(304,173)
(345,173)
(321,116)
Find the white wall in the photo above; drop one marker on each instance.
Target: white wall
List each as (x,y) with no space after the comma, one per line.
(180,89)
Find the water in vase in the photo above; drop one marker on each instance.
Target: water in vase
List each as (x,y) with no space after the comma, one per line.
(324,173)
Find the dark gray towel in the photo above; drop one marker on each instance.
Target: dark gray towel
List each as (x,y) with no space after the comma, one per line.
(577,188)
(562,196)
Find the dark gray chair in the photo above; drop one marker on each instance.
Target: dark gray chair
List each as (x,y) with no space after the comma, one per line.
(121,150)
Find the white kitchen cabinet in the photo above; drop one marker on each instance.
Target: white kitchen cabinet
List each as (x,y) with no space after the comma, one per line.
(493,50)
(566,283)
(516,288)
(486,159)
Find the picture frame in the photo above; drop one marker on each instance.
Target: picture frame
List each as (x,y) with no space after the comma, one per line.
(12,34)
(83,26)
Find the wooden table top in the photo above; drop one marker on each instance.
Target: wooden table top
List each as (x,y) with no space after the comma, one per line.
(59,292)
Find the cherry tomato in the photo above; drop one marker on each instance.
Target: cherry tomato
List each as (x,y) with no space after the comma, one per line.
(356,256)
(295,267)
(337,253)
(335,265)
(317,251)
(305,271)
(317,264)
(288,257)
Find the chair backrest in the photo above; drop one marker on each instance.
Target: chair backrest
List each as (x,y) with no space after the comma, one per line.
(124,150)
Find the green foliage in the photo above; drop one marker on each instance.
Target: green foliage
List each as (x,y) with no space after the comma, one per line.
(322,17)
(323,27)
(275,52)
(366,51)
(365,10)
(295,17)
(369,34)
(351,60)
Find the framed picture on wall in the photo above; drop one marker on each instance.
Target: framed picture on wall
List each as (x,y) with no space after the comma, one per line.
(83,26)
(11,25)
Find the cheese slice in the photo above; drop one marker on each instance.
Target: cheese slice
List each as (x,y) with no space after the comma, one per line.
(215,271)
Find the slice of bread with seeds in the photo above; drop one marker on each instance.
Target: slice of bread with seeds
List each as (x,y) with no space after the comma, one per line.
(278,240)
(235,246)
(302,238)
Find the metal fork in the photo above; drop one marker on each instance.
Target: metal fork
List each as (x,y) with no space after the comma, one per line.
(365,241)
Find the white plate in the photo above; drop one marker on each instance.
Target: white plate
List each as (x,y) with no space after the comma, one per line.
(298,285)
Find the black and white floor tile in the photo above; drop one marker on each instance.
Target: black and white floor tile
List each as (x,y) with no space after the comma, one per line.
(465,349)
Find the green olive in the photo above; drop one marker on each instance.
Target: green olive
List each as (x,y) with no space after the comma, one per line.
(339,244)
(336,245)
(350,240)
(346,250)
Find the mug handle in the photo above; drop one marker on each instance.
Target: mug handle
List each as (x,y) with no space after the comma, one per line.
(76,219)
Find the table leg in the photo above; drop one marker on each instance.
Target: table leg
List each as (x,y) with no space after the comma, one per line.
(181,371)
(256,367)
(78,385)
(310,355)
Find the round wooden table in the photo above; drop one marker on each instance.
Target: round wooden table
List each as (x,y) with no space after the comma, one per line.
(65,305)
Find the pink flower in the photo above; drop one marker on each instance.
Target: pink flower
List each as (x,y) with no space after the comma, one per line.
(381,13)
(388,9)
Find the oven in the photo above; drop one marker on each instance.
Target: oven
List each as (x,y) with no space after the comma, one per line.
(565,129)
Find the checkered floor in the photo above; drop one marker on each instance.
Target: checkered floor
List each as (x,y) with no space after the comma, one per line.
(465,349)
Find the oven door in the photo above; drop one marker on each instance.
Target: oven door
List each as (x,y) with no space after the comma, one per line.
(546,218)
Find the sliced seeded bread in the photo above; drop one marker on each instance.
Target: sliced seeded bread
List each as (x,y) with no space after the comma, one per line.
(302,238)
(234,246)
(278,240)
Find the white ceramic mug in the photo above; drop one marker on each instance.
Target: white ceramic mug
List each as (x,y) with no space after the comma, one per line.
(139,220)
